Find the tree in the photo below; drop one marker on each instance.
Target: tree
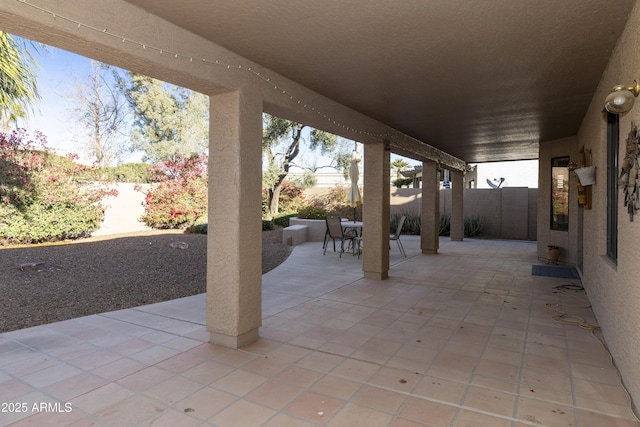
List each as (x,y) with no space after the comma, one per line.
(399,165)
(102,111)
(169,122)
(281,145)
(18,80)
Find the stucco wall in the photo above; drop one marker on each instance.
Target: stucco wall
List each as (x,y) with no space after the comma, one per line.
(566,240)
(508,213)
(614,290)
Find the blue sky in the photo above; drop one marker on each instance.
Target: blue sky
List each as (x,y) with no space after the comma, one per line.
(58,71)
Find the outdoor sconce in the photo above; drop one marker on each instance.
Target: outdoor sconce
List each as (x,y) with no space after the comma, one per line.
(621,98)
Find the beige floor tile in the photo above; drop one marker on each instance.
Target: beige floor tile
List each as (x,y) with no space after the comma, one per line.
(239,382)
(144,379)
(101,398)
(285,420)
(208,371)
(243,413)
(173,389)
(468,418)
(379,399)
(75,386)
(288,353)
(440,389)
(314,407)
(320,361)
(118,369)
(129,412)
(356,370)
(428,412)
(51,375)
(172,418)
(496,383)
(46,419)
(205,403)
(353,415)
(603,392)
(274,394)
(593,419)
(265,366)
(504,371)
(492,401)
(298,376)
(11,389)
(546,413)
(395,379)
(404,422)
(339,388)
(235,358)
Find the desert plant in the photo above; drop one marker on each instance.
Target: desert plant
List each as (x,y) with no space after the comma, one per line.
(473,225)
(412,223)
(445,225)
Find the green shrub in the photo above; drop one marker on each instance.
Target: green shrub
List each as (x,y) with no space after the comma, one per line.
(282,219)
(131,172)
(473,225)
(267,225)
(402,182)
(312,212)
(200,226)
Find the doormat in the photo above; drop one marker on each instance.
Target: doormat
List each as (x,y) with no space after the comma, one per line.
(555,271)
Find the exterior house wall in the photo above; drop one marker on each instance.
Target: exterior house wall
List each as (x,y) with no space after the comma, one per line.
(613,288)
(566,240)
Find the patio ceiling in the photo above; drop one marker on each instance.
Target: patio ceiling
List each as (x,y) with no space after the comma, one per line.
(483,80)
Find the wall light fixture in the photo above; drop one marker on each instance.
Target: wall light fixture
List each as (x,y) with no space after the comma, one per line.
(621,98)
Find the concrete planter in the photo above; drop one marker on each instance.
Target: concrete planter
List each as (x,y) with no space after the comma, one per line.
(316,228)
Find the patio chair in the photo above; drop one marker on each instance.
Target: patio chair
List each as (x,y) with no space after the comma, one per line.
(335,231)
(396,235)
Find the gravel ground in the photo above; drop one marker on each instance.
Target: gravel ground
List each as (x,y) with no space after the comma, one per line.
(48,283)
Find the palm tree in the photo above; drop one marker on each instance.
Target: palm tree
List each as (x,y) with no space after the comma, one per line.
(18,80)
(399,165)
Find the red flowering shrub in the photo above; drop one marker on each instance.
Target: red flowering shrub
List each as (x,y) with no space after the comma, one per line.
(39,198)
(179,197)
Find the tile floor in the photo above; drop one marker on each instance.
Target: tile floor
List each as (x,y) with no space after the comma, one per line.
(462,338)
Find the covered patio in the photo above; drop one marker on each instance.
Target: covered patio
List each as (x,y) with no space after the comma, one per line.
(385,341)
(461,338)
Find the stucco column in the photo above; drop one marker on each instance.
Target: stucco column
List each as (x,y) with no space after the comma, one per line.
(375,211)
(430,215)
(457,206)
(234,251)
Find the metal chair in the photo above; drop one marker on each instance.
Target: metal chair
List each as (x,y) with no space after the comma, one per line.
(396,235)
(335,231)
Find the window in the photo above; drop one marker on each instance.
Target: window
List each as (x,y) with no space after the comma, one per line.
(560,193)
(613,137)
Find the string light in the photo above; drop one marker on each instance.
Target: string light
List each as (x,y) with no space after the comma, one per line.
(145,46)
